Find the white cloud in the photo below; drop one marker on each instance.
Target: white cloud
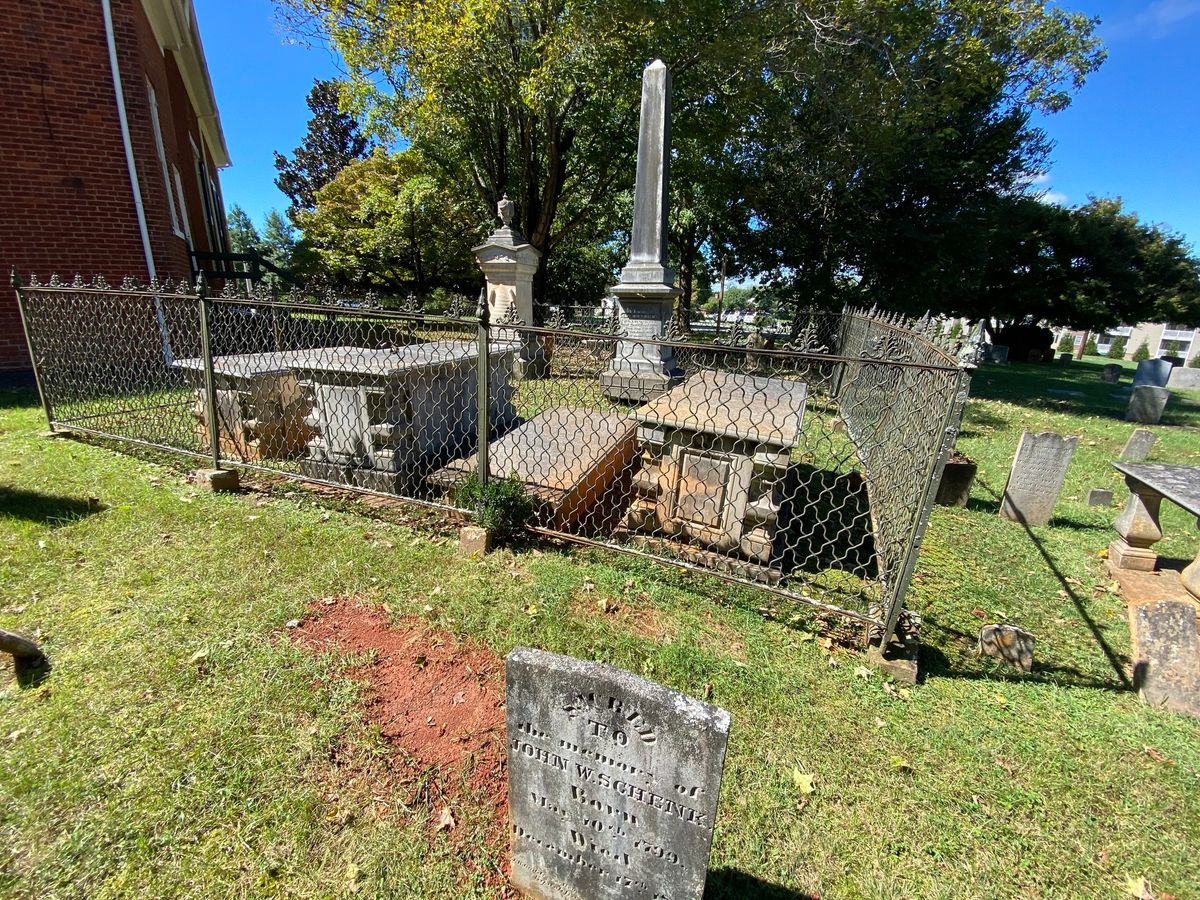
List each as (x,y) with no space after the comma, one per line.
(1040,188)
(1156,21)
(1054,198)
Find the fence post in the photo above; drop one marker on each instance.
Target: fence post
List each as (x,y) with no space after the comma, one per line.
(483,390)
(210,387)
(33,361)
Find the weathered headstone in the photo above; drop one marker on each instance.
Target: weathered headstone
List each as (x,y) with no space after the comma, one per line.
(1111,373)
(1065,357)
(1184,379)
(1137,448)
(613,781)
(1154,372)
(1009,644)
(1100,497)
(1037,476)
(1146,404)
(1000,355)
(1166,654)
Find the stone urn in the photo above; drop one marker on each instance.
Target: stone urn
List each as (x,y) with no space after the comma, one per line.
(955,486)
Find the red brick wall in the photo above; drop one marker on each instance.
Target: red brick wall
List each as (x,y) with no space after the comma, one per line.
(66,205)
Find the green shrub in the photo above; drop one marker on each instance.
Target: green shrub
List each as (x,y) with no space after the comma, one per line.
(501,505)
(1142,352)
(1116,350)
(1066,344)
(956,330)
(1089,349)
(1194,362)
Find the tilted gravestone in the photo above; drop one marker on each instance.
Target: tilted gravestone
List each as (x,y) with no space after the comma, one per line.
(1153,372)
(1137,448)
(612,781)
(1147,404)
(1037,476)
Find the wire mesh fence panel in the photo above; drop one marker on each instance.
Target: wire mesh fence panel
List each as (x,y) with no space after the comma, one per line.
(106,359)
(804,464)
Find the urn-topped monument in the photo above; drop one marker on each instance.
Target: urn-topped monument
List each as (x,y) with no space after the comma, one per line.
(509,262)
(647,289)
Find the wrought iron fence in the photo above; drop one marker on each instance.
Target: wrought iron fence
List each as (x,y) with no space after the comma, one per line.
(807,468)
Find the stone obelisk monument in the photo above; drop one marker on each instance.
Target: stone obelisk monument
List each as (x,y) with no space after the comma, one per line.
(646,290)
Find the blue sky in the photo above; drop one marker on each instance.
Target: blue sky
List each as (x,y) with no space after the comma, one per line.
(1133,131)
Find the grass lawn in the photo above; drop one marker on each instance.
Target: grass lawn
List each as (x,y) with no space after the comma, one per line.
(183,746)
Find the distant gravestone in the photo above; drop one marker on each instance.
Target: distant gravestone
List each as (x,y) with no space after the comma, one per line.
(1065,357)
(1137,448)
(1000,355)
(1111,373)
(613,781)
(1146,404)
(1154,372)
(1184,379)
(1166,655)
(1037,476)
(1100,497)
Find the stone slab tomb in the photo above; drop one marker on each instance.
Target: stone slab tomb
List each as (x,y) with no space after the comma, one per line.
(260,414)
(573,462)
(713,454)
(613,782)
(1036,478)
(378,418)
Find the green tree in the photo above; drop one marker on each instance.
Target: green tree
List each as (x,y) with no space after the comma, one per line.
(387,222)
(279,241)
(1116,350)
(1142,352)
(1090,349)
(332,141)
(243,236)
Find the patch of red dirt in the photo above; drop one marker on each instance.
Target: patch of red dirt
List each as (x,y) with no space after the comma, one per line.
(439,701)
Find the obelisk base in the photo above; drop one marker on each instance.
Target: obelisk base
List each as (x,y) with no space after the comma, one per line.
(642,366)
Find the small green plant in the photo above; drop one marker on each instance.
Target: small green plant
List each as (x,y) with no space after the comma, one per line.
(1116,350)
(1194,362)
(1090,349)
(501,504)
(1142,352)
(956,330)
(1066,344)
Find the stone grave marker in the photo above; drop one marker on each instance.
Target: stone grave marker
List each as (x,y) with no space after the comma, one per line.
(1184,379)
(1147,404)
(999,355)
(1166,654)
(1137,448)
(613,781)
(1100,497)
(1111,373)
(1066,357)
(1037,476)
(1009,644)
(1153,372)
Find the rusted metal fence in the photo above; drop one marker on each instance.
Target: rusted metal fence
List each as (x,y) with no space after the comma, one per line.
(807,469)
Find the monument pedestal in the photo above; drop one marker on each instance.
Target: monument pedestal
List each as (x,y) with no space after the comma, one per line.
(642,368)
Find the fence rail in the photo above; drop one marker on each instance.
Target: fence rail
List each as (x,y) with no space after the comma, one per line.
(807,469)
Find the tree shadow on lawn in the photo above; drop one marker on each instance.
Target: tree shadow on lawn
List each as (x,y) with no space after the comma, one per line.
(732,883)
(48,509)
(1068,590)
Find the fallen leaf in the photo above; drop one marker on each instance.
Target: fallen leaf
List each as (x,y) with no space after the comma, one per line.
(531,610)
(607,605)
(978,613)
(445,820)
(588,585)
(879,723)
(198,657)
(1156,755)
(1139,887)
(862,672)
(460,697)
(901,764)
(803,781)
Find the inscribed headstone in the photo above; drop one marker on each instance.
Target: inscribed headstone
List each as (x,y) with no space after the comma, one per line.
(1137,448)
(1154,372)
(1146,405)
(1037,476)
(613,781)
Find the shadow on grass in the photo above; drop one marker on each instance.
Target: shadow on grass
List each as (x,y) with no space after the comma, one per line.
(731,884)
(16,397)
(1068,590)
(49,509)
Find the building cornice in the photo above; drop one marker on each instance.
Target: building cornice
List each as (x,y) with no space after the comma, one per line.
(175,29)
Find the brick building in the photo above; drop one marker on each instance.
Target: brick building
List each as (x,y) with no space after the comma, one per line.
(111,144)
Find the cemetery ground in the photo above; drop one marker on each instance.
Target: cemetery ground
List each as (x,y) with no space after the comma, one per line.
(189,743)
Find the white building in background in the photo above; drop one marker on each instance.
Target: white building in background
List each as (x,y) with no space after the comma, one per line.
(1162,339)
